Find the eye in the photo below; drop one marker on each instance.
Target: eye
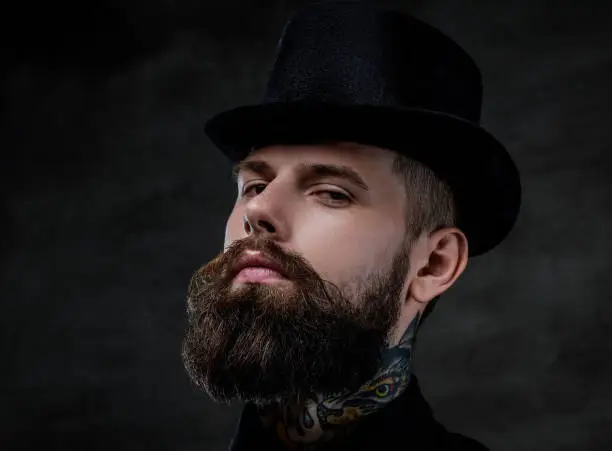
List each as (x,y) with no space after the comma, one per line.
(335,196)
(248,188)
(383,390)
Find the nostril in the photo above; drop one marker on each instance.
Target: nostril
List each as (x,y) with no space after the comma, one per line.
(261,225)
(269,227)
(247,224)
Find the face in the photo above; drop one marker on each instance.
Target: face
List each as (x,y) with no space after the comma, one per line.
(321,323)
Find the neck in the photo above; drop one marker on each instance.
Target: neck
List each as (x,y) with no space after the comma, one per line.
(325,419)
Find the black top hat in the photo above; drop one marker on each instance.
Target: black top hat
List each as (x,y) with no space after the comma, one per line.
(351,71)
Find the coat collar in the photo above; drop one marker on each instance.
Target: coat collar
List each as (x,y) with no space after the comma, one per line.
(407,421)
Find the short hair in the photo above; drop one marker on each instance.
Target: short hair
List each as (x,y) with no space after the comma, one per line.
(429,206)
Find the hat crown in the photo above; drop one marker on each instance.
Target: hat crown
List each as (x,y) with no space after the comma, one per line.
(354,53)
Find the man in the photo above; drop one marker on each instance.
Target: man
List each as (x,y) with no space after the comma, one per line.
(364,184)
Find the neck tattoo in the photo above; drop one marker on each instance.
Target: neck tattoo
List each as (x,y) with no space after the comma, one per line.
(322,419)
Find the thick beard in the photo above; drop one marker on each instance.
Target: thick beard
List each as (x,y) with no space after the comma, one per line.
(264,343)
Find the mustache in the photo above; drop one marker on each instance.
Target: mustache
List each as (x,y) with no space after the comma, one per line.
(291,263)
(218,271)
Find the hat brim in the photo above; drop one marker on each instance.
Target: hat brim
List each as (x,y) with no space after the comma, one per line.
(484,179)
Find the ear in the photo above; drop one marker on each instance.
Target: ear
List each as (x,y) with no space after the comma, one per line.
(445,258)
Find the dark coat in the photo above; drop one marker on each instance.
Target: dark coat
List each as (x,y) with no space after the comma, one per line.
(406,423)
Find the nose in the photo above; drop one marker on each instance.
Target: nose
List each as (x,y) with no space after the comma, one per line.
(266,213)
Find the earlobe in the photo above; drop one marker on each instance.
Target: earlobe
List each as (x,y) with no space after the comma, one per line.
(446,260)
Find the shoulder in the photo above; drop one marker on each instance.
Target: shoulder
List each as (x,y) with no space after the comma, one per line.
(458,442)
(436,437)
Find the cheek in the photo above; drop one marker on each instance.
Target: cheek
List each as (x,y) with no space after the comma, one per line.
(345,251)
(233,229)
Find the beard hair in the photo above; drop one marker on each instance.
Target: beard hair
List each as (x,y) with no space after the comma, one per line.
(262,343)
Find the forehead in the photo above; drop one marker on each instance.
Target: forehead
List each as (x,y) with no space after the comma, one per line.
(371,163)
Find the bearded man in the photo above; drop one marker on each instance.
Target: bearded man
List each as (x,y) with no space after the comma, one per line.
(365,183)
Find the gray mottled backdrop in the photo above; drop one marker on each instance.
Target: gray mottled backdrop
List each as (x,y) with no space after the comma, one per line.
(112,197)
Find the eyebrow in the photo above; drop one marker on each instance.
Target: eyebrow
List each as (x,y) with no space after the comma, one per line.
(307,171)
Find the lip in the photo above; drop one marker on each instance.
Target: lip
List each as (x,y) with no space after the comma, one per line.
(257,260)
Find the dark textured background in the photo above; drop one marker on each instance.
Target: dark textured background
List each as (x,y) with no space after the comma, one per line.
(112,197)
